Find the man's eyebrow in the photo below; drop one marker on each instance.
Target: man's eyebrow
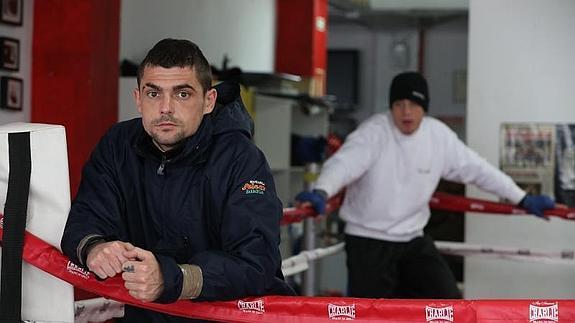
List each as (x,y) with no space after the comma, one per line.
(183,86)
(153,86)
(174,88)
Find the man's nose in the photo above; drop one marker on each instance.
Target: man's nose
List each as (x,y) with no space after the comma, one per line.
(409,108)
(405,108)
(166,105)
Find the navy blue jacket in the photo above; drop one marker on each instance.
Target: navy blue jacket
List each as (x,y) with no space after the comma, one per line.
(211,203)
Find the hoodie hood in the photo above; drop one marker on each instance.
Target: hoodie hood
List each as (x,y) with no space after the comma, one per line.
(230,114)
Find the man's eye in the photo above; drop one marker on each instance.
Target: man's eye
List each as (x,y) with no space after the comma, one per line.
(183,95)
(152,94)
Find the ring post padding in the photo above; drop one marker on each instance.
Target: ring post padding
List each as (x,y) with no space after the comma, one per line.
(44,298)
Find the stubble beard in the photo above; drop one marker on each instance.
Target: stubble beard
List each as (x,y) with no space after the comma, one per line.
(166,140)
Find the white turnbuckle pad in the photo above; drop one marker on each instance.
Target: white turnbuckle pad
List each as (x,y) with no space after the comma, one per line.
(44,297)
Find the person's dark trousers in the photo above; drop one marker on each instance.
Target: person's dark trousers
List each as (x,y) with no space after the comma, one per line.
(384,269)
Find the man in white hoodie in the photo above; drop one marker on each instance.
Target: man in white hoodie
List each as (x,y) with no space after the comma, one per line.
(390,167)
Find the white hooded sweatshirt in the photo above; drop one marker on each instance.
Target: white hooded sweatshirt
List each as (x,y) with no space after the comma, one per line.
(390,177)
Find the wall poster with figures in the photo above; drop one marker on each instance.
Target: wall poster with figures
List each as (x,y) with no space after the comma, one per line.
(565,170)
(540,157)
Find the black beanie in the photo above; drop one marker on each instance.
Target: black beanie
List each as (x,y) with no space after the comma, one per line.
(409,85)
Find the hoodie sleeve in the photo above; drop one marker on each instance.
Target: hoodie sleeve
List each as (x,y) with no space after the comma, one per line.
(97,207)
(465,166)
(354,158)
(249,261)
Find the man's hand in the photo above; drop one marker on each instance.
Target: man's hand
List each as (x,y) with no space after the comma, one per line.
(536,204)
(315,198)
(142,276)
(105,259)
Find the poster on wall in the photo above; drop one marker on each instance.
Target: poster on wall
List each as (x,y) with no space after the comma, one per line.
(10,54)
(11,13)
(565,171)
(540,157)
(11,93)
(527,155)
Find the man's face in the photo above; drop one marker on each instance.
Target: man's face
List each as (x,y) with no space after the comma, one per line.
(407,115)
(172,104)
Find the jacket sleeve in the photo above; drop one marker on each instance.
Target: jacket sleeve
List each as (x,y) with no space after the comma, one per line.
(248,260)
(465,166)
(96,209)
(353,159)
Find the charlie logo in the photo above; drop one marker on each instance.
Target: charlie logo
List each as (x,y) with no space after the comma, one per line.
(256,306)
(542,312)
(254,187)
(77,270)
(341,312)
(418,94)
(476,206)
(439,314)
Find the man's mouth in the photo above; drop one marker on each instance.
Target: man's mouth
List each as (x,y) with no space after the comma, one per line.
(166,124)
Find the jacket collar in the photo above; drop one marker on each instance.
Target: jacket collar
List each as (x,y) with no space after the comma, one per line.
(190,150)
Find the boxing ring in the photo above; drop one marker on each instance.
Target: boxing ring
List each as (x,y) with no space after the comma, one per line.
(44,256)
(322,309)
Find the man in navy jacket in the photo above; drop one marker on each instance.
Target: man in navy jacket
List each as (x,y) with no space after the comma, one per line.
(180,202)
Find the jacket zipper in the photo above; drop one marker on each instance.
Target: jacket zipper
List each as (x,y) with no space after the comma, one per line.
(160,170)
(165,160)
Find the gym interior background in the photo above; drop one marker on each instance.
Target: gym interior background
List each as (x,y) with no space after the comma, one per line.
(488,62)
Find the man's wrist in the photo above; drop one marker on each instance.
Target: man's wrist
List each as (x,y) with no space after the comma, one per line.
(522,202)
(86,244)
(192,281)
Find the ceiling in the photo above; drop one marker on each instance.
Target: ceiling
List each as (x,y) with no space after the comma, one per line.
(396,13)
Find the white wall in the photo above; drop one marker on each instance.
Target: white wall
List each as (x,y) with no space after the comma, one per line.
(387,67)
(376,62)
(445,54)
(244,30)
(445,60)
(24,34)
(520,69)
(362,39)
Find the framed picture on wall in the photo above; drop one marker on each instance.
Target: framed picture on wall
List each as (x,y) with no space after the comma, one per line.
(10,55)
(11,12)
(11,94)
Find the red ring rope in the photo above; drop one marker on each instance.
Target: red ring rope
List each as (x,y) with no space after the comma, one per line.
(439,201)
(323,309)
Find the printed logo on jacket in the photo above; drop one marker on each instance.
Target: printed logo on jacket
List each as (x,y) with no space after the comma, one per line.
(341,312)
(256,306)
(439,313)
(254,187)
(543,312)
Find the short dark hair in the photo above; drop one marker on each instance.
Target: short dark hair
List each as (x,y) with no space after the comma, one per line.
(170,52)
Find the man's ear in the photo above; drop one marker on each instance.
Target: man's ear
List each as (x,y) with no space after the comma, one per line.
(138,99)
(210,100)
